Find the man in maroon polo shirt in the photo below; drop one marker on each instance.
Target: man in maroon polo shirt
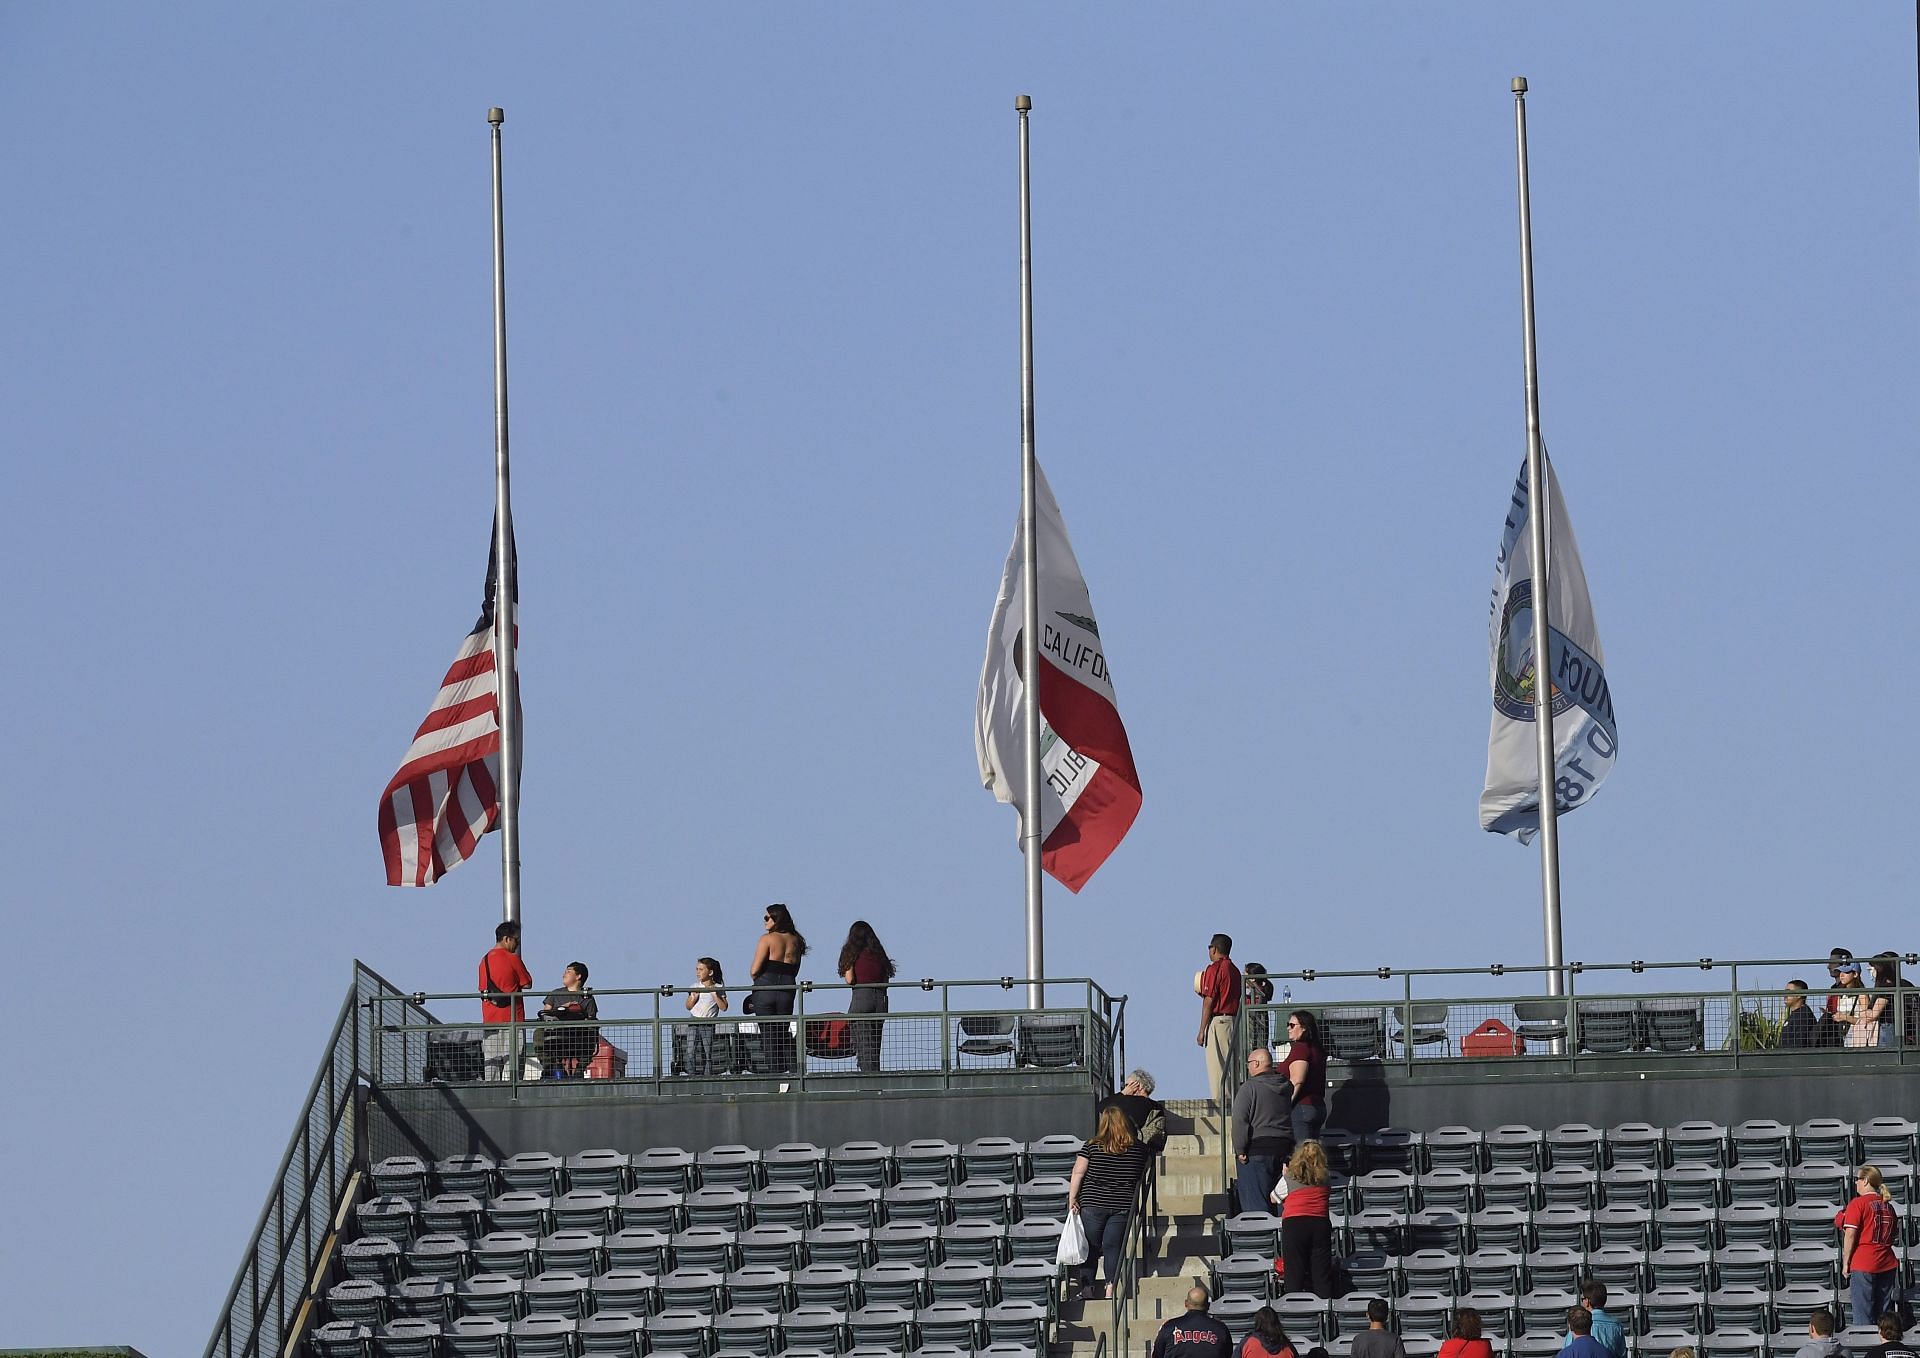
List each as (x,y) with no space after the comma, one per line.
(1219,1005)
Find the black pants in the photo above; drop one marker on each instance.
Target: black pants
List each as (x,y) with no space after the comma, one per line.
(866,1036)
(771,1009)
(1306,1254)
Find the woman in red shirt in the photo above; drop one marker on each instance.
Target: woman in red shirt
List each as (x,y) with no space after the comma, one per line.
(1868,1228)
(1307,1071)
(1466,1341)
(1306,1231)
(865,966)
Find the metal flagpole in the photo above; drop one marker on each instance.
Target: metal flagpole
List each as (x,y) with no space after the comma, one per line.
(1030,825)
(1537,536)
(505,578)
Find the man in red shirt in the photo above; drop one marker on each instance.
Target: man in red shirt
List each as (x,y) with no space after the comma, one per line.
(503,976)
(1219,988)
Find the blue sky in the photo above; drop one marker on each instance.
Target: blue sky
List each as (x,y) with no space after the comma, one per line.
(762,277)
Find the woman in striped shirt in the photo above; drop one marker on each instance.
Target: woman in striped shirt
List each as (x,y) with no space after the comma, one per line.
(1105,1176)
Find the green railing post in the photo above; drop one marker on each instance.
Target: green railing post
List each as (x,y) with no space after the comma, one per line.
(1733,998)
(1406,1019)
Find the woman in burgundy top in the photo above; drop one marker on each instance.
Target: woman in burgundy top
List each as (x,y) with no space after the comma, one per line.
(1307,1072)
(1306,1231)
(865,966)
(1466,1341)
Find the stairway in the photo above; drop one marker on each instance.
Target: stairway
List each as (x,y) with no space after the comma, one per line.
(1192,1196)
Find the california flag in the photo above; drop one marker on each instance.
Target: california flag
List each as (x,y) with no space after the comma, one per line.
(1090,792)
(1584,740)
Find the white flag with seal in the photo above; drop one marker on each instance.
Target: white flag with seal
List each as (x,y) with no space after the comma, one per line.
(1090,792)
(1584,739)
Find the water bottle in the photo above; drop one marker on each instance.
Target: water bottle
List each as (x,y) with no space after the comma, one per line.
(1286,994)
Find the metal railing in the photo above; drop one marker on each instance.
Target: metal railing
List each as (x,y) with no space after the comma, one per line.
(1125,1301)
(1422,1016)
(275,1279)
(647,1036)
(384,1035)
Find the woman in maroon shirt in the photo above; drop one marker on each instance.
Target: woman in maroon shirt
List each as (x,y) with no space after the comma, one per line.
(865,966)
(1307,1072)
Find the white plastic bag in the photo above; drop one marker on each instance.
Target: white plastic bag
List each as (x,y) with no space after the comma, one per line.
(1073,1242)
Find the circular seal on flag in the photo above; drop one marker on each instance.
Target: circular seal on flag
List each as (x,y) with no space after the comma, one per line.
(1513,676)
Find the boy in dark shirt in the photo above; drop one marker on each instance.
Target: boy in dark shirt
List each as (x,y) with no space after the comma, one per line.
(1377,1341)
(1893,1345)
(1580,1340)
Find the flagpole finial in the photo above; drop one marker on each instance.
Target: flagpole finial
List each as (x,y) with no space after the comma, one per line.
(1022,103)
(496,116)
(1519,84)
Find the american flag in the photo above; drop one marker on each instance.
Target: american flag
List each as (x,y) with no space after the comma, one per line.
(446,794)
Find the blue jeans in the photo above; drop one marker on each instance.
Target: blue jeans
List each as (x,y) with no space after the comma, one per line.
(1254,1180)
(1106,1237)
(1307,1120)
(1871,1295)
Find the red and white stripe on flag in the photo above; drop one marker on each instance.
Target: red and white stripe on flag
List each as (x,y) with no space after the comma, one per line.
(446,794)
(1090,790)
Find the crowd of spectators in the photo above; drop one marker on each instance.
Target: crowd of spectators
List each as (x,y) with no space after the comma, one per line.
(1868,1004)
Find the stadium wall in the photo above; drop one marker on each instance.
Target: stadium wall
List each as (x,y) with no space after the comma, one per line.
(1491,1093)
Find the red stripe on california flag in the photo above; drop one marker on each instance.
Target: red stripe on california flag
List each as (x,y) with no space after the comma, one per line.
(1103,813)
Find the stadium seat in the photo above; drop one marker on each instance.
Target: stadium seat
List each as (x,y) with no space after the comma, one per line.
(989,1201)
(788,1204)
(1510,1186)
(572,1251)
(490,1294)
(1678,1308)
(907,1242)
(1564,1228)
(1017,1322)
(751,1329)
(1034,1280)
(1620,1268)
(1734,1343)
(917,1200)
(545,1336)
(981,1242)
(855,1203)
(928,1161)
(655,1208)
(358,1299)
(956,1323)
(893,1284)
(587,1209)
(639,1247)
(735,1167)
(1686,1266)
(603,1171)
(520,1210)
(1813,1265)
(1305,1316)
(1495,1270)
(705,1247)
(439,1256)
(1381,1190)
(406,1338)
(1762,1141)
(1244,1275)
(1513,1146)
(843,1242)
(1556,1269)
(1630,1186)
(1628,1226)
(798,1164)
(1673,1025)
(1365,1232)
(762,1286)
(1540,1020)
(1795,1303)
(475,1337)
(1374,1273)
(1544,1309)
(1822,1183)
(986,1037)
(510,1254)
(1393,1148)
(1607,1025)
(1252,1233)
(1740,1309)
(401,1176)
(996,1159)
(1637,1143)
(626,1291)
(1502,1228)
(1435,1271)
(814,1326)
(1053,1156)
(1420,1025)
(1807,1223)
(1354,1033)
(1666,1339)
(970,1283)
(663,1167)
(1577,1145)
(341,1339)
(835,1286)
(1757,1182)
(1745,1266)
(1049,1041)
(1883,1141)
(1453,1189)
(474,1175)
(538,1172)
(1437,1229)
(556,1294)
(1427,1315)
(1499,1316)
(1826,1139)
(1687,1224)
(719,1205)
(1701,1184)
(772,1246)
(612,1334)
(1044,1195)
(1750,1224)
(695,1290)
(434,1299)
(680,1332)
(884,1325)
(1570,1186)
(1528,1345)
(459,1214)
(392,1218)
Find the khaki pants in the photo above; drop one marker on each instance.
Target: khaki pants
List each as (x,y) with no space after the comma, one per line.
(1219,1057)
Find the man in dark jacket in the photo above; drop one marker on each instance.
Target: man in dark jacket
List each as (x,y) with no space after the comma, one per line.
(1194,1334)
(1798,1026)
(1262,1131)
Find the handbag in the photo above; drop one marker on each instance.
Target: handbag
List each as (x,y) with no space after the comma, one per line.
(1073,1242)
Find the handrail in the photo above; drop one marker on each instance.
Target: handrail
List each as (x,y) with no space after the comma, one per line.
(1636,966)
